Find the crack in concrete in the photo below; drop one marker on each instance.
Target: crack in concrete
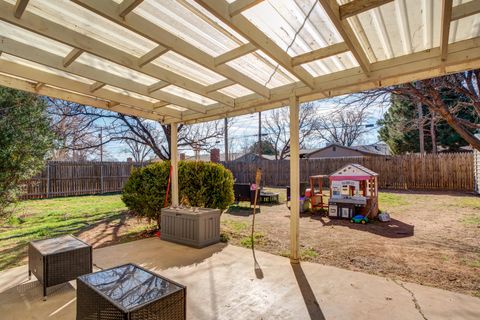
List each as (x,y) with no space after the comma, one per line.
(414,299)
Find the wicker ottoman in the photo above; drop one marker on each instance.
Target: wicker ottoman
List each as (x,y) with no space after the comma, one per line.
(129,292)
(58,260)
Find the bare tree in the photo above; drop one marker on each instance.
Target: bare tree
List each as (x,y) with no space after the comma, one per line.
(344,126)
(430,93)
(138,151)
(120,127)
(277,124)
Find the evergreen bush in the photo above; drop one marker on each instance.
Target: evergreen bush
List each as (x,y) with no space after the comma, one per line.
(201,184)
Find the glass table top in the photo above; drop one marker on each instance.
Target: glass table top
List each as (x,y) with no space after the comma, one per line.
(130,286)
(59,244)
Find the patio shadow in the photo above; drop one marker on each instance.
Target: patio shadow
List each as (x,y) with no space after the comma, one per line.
(309,298)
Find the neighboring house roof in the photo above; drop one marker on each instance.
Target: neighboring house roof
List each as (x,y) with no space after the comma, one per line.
(253,156)
(376,149)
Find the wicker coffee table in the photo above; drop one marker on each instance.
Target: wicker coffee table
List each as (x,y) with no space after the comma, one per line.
(58,260)
(129,292)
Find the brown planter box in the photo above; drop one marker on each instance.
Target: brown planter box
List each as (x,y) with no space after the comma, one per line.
(196,229)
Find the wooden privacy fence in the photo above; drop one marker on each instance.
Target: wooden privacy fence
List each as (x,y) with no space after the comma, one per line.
(63,178)
(448,171)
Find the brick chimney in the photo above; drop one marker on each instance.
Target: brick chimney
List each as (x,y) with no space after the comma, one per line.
(182,156)
(215,155)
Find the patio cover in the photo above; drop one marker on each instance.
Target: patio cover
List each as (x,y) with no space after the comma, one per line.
(188,61)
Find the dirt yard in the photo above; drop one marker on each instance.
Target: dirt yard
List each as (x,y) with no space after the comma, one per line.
(433,239)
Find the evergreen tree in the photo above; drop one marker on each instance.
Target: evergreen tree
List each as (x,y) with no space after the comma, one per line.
(25,140)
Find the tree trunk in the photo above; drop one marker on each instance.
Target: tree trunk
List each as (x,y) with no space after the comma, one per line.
(421,134)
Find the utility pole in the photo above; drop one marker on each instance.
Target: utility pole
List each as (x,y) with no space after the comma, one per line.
(259,135)
(421,134)
(100,135)
(226,139)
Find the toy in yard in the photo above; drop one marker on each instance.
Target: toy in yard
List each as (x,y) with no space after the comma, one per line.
(359,219)
(353,191)
(316,194)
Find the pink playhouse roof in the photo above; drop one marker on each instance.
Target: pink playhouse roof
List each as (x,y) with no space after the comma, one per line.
(353,171)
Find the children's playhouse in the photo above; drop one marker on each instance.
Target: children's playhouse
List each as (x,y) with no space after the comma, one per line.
(353,190)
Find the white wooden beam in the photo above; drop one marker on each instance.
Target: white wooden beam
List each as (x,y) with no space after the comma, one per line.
(247,29)
(465,10)
(174,162)
(56,93)
(67,36)
(42,57)
(151,55)
(294,179)
(220,85)
(46,78)
(239,6)
(140,25)
(355,7)
(445,28)
(235,53)
(74,54)
(157,86)
(127,6)
(20,7)
(332,10)
(321,53)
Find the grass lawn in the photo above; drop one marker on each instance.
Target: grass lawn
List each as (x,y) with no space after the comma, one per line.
(87,217)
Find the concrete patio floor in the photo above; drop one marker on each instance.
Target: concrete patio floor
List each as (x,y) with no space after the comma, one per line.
(223,283)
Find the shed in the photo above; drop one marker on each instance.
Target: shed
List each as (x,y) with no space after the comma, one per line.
(353,190)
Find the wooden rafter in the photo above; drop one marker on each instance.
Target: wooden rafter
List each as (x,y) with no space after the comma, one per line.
(74,54)
(445,28)
(321,53)
(20,7)
(42,78)
(358,6)
(96,85)
(347,33)
(67,36)
(140,25)
(220,85)
(235,53)
(465,9)
(151,55)
(157,86)
(248,30)
(239,6)
(127,6)
(69,95)
(463,55)
(42,57)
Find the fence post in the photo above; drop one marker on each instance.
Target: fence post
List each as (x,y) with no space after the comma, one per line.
(48,179)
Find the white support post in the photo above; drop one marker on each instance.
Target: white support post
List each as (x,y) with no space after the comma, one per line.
(294,179)
(174,163)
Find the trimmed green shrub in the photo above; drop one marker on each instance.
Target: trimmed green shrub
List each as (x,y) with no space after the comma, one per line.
(201,184)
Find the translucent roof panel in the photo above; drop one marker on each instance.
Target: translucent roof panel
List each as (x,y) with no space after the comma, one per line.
(281,20)
(187,68)
(113,68)
(465,28)
(175,107)
(192,23)
(26,37)
(188,95)
(236,91)
(72,16)
(332,64)
(43,68)
(262,69)
(130,94)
